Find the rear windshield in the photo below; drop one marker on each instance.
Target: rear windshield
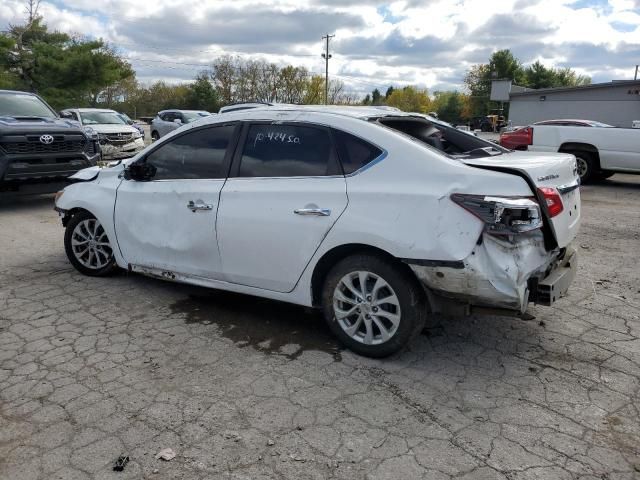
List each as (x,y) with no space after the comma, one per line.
(445,138)
(19,105)
(193,116)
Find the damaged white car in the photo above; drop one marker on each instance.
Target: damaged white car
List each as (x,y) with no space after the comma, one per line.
(377,217)
(117,138)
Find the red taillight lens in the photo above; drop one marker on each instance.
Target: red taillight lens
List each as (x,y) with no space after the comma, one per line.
(552,199)
(529,132)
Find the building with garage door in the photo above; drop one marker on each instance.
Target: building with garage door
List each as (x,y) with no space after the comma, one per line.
(616,103)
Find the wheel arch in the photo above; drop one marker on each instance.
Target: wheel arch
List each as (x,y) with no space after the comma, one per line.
(570,147)
(336,254)
(70,213)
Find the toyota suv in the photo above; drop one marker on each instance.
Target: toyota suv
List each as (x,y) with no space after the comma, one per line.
(377,217)
(37,146)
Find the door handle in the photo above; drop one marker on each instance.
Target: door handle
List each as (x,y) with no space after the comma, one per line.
(318,212)
(194,207)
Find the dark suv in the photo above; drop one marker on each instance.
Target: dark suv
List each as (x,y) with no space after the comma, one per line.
(36,145)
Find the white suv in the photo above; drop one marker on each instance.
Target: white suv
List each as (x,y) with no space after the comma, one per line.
(376,216)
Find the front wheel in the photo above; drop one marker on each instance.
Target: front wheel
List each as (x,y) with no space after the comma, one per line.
(372,305)
(87,246)
(155,136)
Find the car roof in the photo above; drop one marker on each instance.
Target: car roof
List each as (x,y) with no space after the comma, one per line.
(86,110)
(179,110)
(353,111)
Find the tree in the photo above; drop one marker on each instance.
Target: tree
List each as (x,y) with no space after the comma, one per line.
(389,92)
(201,94)
(366,100)
(65,70)
(451,106)
(410,99)
(537,75)
(504,65)
(376,97)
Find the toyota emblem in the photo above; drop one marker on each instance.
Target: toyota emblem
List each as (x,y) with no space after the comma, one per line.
(46,139)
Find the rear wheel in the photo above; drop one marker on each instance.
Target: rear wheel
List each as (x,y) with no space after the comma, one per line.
(155,136)
(372,305)
(587,166)
(88,247)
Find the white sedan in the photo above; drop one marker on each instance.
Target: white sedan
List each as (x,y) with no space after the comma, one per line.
(377,217)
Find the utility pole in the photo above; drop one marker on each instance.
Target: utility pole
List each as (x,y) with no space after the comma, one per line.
(635,77)
(326,57)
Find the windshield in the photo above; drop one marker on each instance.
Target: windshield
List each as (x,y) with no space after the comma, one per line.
(102,118)
(193,116)
(125,117)
(447,139)
(600,124)
(19,105)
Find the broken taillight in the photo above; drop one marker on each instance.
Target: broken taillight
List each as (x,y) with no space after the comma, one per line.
(502,215)
(553,200)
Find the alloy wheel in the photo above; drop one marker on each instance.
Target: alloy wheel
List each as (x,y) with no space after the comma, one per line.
(583,166)
(366,307)
(90,244)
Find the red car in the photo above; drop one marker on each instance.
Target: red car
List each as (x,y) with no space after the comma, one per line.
(521,138)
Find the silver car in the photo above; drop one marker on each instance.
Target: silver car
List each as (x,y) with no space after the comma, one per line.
(168,120)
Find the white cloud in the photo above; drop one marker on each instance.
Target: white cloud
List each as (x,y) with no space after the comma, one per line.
(429,42)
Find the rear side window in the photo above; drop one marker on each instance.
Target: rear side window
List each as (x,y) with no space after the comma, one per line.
(354,152)
(194,155)
(276,150)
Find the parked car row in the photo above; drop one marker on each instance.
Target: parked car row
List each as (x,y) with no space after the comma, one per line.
(600,149)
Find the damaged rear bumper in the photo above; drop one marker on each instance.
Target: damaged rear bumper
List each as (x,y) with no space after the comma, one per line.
(502,272)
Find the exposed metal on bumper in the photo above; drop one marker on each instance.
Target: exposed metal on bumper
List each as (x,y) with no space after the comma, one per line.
(557,283)
(498,273)
(119,151)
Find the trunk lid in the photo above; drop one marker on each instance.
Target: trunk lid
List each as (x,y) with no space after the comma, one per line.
(556,170)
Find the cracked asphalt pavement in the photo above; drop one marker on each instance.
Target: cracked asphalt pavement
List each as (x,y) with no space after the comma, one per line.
(244,388)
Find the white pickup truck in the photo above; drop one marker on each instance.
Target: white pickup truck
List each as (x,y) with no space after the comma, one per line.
(600,151)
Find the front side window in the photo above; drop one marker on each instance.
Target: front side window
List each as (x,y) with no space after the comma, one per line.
(276,150)
(195,155)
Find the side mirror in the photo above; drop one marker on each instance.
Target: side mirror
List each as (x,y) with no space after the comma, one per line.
(140,172)
(178,121)
(67,115)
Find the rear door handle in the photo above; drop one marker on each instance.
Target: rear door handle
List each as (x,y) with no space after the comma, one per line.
(194,207)
(318,212)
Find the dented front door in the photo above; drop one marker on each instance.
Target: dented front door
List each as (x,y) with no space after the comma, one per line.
(169,222)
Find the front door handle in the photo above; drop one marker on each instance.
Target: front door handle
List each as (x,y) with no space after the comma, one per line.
(195,206)
(318,212)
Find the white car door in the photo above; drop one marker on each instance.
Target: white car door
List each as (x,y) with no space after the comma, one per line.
(285,192)
(169,222)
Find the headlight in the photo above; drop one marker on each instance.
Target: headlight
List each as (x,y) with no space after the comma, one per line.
(90,132)
(137,135)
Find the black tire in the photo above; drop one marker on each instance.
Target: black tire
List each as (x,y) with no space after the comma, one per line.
(587,166)
(155,136)
(411,298)
(100,270)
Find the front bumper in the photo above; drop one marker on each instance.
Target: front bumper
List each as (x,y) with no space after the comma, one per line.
(44,167)
(115,151)
(505,273)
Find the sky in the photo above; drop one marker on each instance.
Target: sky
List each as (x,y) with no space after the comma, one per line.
(429,43)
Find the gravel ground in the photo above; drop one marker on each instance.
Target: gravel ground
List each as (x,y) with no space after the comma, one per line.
(246,388)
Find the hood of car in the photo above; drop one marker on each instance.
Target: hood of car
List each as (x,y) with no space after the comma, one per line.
(108,128)
(38,123)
